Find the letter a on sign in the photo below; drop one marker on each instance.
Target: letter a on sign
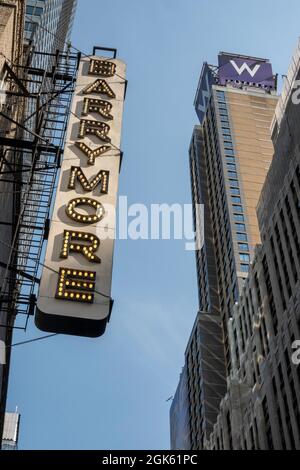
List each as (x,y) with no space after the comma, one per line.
(100,87)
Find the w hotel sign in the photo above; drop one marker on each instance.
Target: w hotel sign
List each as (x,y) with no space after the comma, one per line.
(246,70)
(75,291)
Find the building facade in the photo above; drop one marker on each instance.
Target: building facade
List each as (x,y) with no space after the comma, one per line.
(11,54)
(48,23)
(228,172)
(26,188)
(180,418)
(11,431)
(262,407)
(230,155)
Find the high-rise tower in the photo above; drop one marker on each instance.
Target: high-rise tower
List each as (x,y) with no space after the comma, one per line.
(231,168)
(230,155)
(48,23)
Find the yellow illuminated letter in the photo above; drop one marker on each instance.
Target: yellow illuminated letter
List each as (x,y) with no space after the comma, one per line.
(104,68)
(92,154)
(97,208)
(101,107)
(81,243)
(99,87)
(76,286)
(101,179)
(100,129)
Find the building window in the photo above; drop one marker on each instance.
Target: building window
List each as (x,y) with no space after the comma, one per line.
(239,217)
(232,174)
(240,227)
(242,237)
(37,11)
(230,159)
(235,191)
(243,246)
(280,285)
(267,424)
(29,26)
(270,294)
(229,151)
(221,95)
(236,200)
(229,431)
(231,167)
(245,258)
(234,183)
(245,268)
(238,209)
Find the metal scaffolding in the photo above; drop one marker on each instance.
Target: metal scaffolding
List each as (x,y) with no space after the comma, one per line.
(29,161)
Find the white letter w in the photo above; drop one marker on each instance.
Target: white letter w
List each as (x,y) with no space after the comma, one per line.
(244,67)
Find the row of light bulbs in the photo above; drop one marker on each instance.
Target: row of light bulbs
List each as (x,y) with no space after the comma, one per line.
(104,68)
(87,251)
(99,87)
(85,219)
(72,281)
(102,177)
(63,282)
(100,129)
(92,154)
(97,106)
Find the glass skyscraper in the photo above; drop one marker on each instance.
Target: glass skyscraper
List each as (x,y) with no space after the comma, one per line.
(261,409)
(48,23)
(230,155)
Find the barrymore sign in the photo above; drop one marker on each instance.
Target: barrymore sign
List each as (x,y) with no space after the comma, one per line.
(75,291)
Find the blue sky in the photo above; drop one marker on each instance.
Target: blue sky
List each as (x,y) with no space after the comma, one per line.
(110,393)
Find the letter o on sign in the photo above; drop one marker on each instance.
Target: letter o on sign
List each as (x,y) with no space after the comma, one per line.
(98,211)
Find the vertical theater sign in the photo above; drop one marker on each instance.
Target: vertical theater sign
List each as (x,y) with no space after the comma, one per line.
(75,290)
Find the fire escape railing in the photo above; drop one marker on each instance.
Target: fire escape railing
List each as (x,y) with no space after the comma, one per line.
(29,163)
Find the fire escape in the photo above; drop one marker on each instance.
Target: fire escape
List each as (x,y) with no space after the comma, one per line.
(29,162)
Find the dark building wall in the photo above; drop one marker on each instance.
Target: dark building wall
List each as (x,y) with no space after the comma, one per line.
(12,20)
(266,320)
(205,257)
(11,48)
(180,416)
(230,154)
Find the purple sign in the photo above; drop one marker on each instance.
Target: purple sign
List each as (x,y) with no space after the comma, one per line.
(203,93)
(245,70)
